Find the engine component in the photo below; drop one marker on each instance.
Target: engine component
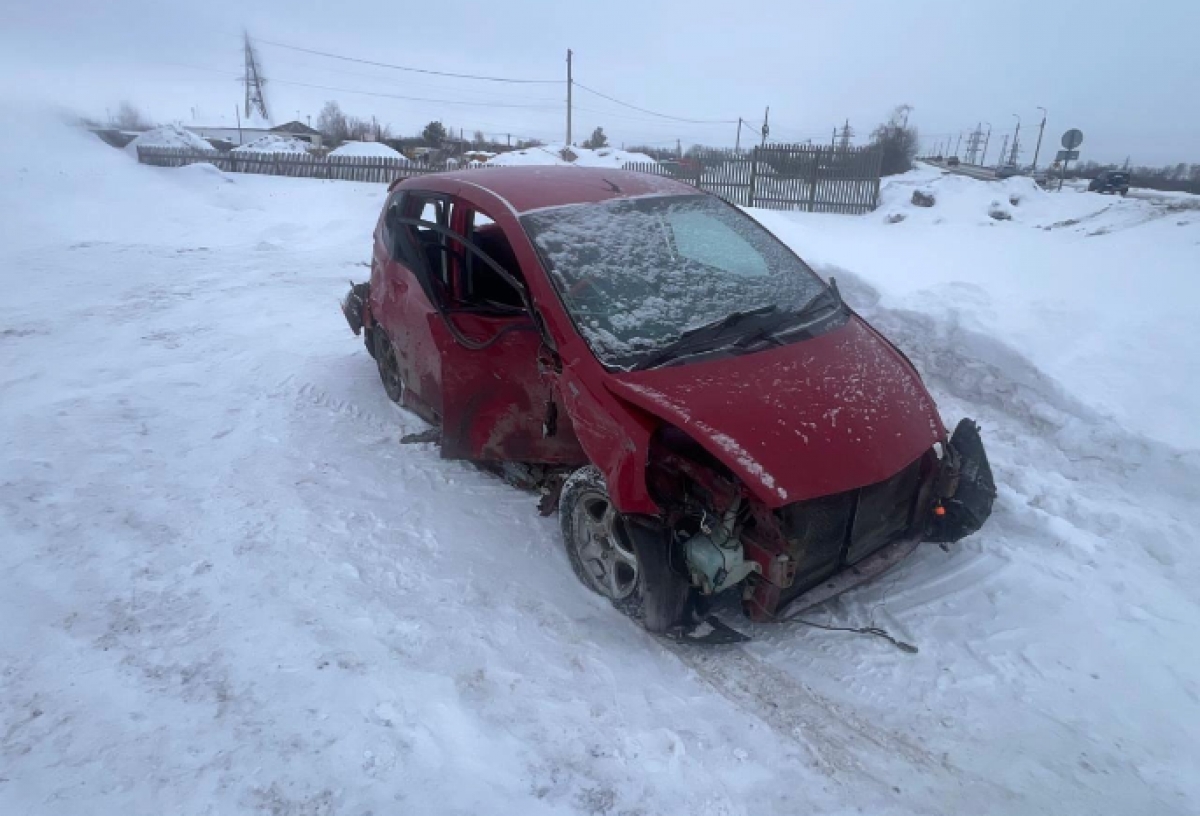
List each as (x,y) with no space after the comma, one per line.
(714,555)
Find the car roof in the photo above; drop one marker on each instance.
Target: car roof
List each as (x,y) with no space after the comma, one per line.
(536,187)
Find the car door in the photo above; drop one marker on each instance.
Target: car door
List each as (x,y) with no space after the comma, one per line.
(499,400)
(411,266)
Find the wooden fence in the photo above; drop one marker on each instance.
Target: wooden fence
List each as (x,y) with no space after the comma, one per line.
(778,177)
(783,177)
(344,168)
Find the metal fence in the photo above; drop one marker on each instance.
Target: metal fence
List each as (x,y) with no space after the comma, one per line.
(782,177)
(344,168)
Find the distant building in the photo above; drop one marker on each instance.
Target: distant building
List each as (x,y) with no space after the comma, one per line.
(230,133)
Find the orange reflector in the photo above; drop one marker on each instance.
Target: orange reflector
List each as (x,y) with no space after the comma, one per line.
(939,511)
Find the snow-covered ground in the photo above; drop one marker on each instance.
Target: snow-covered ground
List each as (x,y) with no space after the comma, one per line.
(584,157)
(226,588)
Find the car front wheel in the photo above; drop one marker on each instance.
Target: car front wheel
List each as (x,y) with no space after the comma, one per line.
(624,560)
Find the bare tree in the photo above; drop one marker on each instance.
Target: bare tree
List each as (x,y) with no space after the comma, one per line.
(898,142)
(130,118)
(332,122)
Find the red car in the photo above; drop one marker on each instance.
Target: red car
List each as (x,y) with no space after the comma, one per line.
(705,413)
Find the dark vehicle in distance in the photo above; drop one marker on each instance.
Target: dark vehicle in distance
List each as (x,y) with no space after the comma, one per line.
(952,161)
(1110,181)
(705,413)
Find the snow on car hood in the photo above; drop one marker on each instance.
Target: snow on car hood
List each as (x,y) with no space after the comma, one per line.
(813,418)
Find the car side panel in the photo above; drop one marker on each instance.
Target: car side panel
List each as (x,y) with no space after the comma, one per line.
(400,306)
(495,400)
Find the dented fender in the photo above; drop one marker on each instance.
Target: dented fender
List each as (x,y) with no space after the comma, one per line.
(616,438)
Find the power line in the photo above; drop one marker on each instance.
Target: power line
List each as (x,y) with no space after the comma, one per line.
(656,113)
(490,92)
(370,93)
(409,68)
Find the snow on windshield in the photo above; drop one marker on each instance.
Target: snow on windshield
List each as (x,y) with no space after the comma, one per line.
(637,273)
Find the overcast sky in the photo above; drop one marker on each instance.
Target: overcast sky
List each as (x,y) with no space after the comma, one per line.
(1127,74)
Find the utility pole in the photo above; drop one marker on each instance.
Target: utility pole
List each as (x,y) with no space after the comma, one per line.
(973,140)
(986,140)
(1003,147)
(737,145)
(569,83)
(256,100)
(1016,142)
(678,149)
(847,132)
(766,125)
(1041,130)
(238,115)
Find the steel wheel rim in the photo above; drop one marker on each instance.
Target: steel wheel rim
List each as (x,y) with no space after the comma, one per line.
(389,367)
(609,563)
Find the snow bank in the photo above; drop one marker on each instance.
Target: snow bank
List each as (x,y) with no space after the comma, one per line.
(584,157)
(1098,291)
(377,149)
(173,135)
(274,143)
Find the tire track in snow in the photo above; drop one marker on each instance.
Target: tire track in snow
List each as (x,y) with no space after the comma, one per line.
(841,743)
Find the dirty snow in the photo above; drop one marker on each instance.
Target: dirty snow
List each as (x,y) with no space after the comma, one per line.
(173,135)
(376,149)
(226,588)
(274,143)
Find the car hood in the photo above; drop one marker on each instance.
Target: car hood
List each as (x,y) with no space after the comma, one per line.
(812,418)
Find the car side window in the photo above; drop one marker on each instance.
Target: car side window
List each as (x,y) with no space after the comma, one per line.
(391,211)
(480,285)
(424,248)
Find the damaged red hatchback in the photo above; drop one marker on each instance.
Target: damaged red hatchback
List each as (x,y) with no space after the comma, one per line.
(704,412)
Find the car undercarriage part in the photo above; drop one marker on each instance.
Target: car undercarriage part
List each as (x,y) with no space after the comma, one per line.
(714,554)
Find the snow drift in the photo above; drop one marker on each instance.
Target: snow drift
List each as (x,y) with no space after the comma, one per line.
(584,157)
(274,143)
(173,135)
(376,149)
(226,587)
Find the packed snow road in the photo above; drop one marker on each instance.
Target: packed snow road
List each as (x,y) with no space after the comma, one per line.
(225,587)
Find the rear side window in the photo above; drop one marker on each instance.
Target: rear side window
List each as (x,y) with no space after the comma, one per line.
(424,248)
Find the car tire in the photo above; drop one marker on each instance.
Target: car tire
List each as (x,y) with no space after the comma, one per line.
(369,340)
(388,365)
(624,560)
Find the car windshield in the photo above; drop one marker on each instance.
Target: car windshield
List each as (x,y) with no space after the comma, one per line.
(636,274)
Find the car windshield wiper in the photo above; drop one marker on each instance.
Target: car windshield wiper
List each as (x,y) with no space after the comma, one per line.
(700,337)
(815,301)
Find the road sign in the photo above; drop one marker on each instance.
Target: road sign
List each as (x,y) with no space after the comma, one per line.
(1068,155)
(1072,139)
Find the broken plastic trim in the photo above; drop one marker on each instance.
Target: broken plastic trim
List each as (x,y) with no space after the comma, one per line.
(971,504)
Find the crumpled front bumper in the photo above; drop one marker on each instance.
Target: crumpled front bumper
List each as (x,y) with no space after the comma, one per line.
(967,487)
(965,491)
